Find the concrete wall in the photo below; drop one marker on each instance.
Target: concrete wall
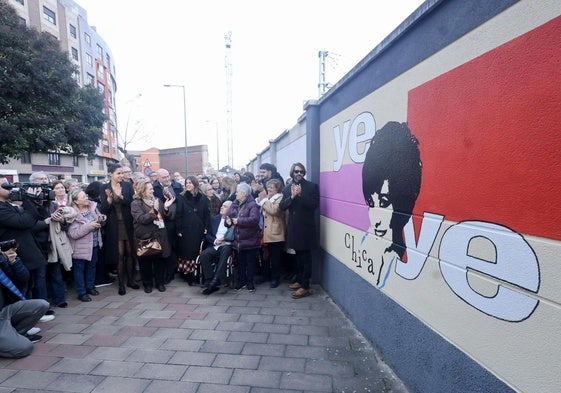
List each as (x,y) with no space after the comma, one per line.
(452,271)
(473,302)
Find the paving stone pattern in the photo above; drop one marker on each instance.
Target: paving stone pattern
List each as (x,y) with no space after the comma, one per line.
(183,341)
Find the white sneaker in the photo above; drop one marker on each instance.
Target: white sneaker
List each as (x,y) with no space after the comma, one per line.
(47,318)
(33,331)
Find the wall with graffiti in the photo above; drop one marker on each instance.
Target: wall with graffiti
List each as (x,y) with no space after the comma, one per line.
(440,183)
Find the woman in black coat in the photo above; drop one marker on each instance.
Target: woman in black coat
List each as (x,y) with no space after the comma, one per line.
(148,217)
(118,241)
(192,221)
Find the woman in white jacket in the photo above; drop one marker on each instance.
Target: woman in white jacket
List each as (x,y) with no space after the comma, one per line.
(85,237)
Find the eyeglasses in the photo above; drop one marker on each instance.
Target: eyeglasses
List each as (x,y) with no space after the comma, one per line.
(297,171)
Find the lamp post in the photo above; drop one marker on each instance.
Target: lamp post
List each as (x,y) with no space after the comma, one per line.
(184,126)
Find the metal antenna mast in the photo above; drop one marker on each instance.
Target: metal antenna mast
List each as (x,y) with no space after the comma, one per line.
(228,66)
(322,84)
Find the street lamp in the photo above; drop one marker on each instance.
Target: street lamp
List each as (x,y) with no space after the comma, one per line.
(185,127)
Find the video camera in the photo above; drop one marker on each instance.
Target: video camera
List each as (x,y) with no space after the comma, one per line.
(8,244)
(19,193)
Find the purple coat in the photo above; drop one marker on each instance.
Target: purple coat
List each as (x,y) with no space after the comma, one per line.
(247,232)
(80,233)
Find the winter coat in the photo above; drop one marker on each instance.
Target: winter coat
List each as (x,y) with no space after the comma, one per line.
(169,217)
(80,233)
(61,248)
(274,227)
(247,231)
(111,232)
(144,228)
(301,232)
(192,221)
(17,223)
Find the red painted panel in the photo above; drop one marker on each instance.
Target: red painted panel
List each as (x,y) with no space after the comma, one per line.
(490,136)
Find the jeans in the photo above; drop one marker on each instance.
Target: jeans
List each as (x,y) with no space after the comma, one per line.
(84,273)
(304,261)
(38,285)
(275,256)
(247,263)
(55,283)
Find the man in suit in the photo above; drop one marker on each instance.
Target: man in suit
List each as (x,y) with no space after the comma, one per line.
(164,188)
(214,259)
(301,199)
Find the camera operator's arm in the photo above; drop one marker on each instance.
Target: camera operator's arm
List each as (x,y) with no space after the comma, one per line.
(16,218)
(14,269)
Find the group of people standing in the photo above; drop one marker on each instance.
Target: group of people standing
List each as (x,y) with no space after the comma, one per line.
(80,233)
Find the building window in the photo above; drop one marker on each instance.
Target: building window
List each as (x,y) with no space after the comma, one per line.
(26,158)
(91,80)
(100,52)
(89,59)
(105,146)
(101,88)
(72,31)
(54,159)
(49,15)
(75,54)
(100,71)
(75,161)
(22,2)
(22,21)
(88,39)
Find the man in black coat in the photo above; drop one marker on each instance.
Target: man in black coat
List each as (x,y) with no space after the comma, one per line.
(301,199)
(164,188)
(17,222)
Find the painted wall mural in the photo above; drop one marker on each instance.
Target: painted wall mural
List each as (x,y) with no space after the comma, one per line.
(443,190)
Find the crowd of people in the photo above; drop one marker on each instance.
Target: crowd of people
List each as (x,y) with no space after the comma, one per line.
(143,231)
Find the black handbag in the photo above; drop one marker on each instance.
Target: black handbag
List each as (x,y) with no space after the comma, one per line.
(148,248)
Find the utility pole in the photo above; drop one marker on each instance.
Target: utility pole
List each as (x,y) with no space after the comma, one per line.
(228,66)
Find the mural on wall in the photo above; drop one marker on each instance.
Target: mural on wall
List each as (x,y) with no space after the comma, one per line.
(441,189)
(483,165)
(391,180)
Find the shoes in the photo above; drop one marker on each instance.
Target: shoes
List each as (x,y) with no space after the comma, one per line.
(294,286)
(92,292)
(240,286)
(50,311)
(300,293)
(148,289)
(161,288)
(251,288)
(122,290)
(46,318)
(105,282)
(274,283)
(210,289)
(33,331)
(33,337)
(62,305)
(133,285)
(85,298)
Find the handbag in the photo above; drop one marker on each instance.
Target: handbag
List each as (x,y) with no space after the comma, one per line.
(229,236)
(148,248)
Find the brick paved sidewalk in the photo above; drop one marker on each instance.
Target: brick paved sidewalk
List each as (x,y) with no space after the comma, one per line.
(183,341)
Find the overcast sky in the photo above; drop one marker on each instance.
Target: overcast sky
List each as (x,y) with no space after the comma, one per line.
(274,56)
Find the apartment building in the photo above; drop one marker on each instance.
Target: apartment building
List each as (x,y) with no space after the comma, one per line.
(68,22)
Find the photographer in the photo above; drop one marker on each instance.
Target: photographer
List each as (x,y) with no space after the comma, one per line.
(17,315)
(17,222)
